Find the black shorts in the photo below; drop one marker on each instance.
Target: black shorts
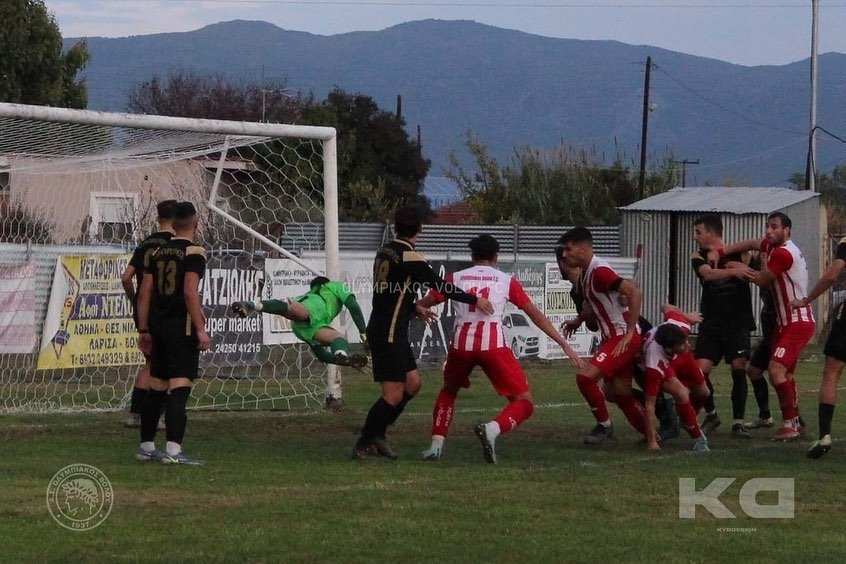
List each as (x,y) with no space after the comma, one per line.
(174,354)
(728,343)
(392,361)
(835,345)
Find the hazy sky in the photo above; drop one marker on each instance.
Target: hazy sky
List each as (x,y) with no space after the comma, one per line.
(749,32)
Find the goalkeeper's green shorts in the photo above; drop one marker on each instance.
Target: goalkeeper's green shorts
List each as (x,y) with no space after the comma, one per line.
(318,318)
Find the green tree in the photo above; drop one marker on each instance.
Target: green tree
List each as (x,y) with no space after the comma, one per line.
(561,186)
(373,150)
(832,189)
(33,68)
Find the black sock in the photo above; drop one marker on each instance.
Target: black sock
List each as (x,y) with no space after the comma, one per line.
(826,413)
(709,401)
(739,392)
(762,397)
(150,411)
(398,410)
(175,417)
(138,395)
(376,422)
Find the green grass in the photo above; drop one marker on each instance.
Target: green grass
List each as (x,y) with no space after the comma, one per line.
(280,487)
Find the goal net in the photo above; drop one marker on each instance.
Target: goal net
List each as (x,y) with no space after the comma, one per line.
(78,190)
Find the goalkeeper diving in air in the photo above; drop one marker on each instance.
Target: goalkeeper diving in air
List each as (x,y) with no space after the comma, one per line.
(311,316)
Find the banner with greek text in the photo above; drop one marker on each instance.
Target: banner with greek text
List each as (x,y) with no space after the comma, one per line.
(89,319)
(17,308)
(231,278)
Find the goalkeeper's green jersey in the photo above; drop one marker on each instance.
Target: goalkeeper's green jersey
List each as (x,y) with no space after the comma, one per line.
(334,294)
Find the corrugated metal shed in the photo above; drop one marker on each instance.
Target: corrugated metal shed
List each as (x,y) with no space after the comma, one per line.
(736,200)
(662,228)
(533,240)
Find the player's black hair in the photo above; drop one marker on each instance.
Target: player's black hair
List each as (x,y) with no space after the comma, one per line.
(483,247)
(318,282)
(712,223)
(783,217)
(669,335)
(576,235)
(166,209)
(184,215)
(407,222)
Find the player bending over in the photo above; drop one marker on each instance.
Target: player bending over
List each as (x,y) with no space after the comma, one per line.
(669,365)
(311,316)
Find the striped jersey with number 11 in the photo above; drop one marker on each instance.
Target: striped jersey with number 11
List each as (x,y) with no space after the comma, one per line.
(475,330)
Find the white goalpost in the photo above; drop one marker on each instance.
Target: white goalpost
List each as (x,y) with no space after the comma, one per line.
(78,190)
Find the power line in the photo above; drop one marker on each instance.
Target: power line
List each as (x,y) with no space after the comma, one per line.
(830,134)
(490,4)
(724,108)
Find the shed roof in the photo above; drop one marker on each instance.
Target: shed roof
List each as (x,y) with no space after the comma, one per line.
(735,199)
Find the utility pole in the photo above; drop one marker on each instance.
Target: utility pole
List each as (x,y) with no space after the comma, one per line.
(644,128)
(810,169)
(684,164)
(399,107)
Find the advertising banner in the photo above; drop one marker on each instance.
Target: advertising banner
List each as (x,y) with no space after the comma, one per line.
(17,308)
(231,278)
(89,319)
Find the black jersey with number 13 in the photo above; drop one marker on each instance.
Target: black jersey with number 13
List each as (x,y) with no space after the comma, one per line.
(168,267)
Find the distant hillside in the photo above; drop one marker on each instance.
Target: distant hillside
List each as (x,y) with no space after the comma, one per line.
(747,124)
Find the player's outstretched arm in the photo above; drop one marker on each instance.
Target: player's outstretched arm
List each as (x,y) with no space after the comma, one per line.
(826,281)
(355,312)
(738,247)
(421,272)
(545,325)
(691,316)
(649,423)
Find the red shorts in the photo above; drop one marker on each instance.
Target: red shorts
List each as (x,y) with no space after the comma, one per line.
(620,366)
(789,341)
(499,365)
(687,370)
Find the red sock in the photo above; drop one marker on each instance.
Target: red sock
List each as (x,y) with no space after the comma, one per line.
(795,395)
(633,412)
(594,397)
(687,415)
(442,413)
(513,414)
(786,399)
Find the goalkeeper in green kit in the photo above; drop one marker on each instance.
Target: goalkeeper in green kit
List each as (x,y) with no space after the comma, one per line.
(311,315)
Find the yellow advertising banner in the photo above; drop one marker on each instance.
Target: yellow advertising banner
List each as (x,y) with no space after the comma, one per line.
(89,319)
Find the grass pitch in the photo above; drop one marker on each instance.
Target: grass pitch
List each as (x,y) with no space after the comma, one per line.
(280,487)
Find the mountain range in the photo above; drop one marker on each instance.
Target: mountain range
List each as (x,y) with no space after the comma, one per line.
(745,125)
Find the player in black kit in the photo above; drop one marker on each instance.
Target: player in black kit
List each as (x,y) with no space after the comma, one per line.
(172,331)
(834,351)
(400,275)
(139,262)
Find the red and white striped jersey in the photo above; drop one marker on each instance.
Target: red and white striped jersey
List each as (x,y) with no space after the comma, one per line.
(652,359)
(676,318)
(788,264)
(600,284)
(475,330)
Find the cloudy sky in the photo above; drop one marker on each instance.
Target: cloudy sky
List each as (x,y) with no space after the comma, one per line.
(748,32)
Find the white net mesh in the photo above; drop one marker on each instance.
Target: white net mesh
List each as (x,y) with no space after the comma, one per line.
(76,198)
